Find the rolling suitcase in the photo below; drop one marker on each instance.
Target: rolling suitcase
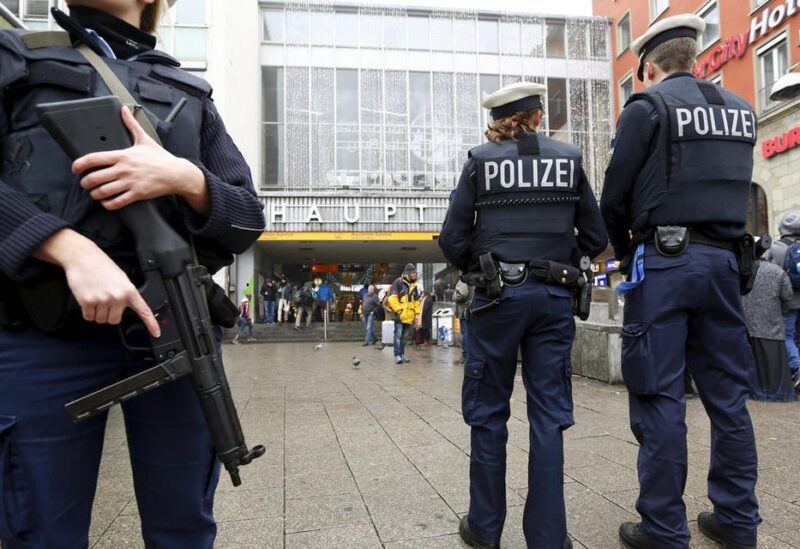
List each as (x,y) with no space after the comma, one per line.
(387,332)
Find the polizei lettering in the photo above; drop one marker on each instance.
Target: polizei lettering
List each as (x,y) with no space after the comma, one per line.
(527,173)
(713,122)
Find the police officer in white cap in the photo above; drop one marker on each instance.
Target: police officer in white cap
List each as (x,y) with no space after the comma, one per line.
(59,233)
(675,205)
(522,217)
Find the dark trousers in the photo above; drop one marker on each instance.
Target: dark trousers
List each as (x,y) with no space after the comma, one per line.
(688,311)
(537,318)
(49,465)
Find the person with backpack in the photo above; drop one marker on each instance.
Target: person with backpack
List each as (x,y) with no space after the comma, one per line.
(303,300)
(786,254)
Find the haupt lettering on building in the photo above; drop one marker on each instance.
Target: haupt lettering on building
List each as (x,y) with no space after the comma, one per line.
(736,46)
(781,143)
(350,213)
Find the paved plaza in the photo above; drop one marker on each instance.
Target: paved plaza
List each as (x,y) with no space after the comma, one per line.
(378,457)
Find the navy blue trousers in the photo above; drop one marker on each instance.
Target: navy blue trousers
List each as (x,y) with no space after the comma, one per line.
(537,319)
(49,465)
(688,313)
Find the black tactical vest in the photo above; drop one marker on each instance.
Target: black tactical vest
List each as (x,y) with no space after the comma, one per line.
(526,194)
(34,164)
(701,170)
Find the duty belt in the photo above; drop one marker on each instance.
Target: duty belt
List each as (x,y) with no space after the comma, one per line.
(674,240)
(515,274)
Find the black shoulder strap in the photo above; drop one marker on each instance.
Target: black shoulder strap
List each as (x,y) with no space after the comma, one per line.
(528,145)
(711,93)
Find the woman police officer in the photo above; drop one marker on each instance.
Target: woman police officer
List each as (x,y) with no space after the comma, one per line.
(52,237)
(524,199)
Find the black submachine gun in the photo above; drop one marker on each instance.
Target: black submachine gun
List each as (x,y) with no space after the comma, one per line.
(173,288)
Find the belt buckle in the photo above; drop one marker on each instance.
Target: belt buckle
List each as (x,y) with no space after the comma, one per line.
(513,275)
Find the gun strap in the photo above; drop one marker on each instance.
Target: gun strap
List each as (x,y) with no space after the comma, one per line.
(118,88)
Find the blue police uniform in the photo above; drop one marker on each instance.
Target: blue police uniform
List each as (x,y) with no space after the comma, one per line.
(520,201)
(48,465)
(685,310)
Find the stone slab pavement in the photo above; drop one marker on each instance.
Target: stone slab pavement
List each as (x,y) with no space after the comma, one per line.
(378,457)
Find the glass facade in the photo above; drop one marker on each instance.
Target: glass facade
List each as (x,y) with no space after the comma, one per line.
(387,99)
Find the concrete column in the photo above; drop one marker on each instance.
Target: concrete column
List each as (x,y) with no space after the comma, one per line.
(245,274)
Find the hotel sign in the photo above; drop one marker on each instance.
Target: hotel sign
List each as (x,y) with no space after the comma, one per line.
(736,46)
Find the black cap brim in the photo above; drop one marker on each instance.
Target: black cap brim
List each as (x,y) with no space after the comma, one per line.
(660,38)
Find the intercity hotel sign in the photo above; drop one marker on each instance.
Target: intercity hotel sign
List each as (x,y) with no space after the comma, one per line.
(734,47)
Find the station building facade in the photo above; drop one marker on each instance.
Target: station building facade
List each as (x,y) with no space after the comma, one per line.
(367,114)
(746,47)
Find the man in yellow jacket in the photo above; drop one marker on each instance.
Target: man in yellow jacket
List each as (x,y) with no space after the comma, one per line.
(403,300)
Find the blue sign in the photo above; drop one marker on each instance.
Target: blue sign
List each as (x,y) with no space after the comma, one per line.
(601,280)
(612,265)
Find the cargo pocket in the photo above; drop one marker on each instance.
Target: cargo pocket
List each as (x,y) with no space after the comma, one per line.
(638,366)
(567,406)
(470,390)
(16,507)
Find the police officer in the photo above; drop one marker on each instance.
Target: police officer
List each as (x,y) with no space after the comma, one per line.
(61,242)
(516,209)
(675,205)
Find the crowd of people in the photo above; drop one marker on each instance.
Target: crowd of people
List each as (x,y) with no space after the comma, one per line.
(772,310)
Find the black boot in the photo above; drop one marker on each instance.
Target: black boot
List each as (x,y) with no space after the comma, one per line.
(469,539)
(708,524)
(633,536)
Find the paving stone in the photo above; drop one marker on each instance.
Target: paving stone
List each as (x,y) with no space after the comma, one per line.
(388,444)
(250,534)
(352,537)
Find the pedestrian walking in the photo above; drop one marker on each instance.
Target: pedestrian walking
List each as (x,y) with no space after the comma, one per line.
(245,320)
(785,253)
(284,300)
(303,299)
(522,216)
(65,252)
(269,295)
(425,324)
(369,309)
(764,310)
(675,205)
(403,301)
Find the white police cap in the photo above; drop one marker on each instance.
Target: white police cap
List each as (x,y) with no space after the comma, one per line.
(519,97)
(686,25)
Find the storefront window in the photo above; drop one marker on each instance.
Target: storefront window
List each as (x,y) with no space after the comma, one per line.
(510,38)
(441,34)
(533,39)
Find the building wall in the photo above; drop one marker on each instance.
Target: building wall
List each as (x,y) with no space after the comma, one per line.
(739,74)
(412,112)
(778,174)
